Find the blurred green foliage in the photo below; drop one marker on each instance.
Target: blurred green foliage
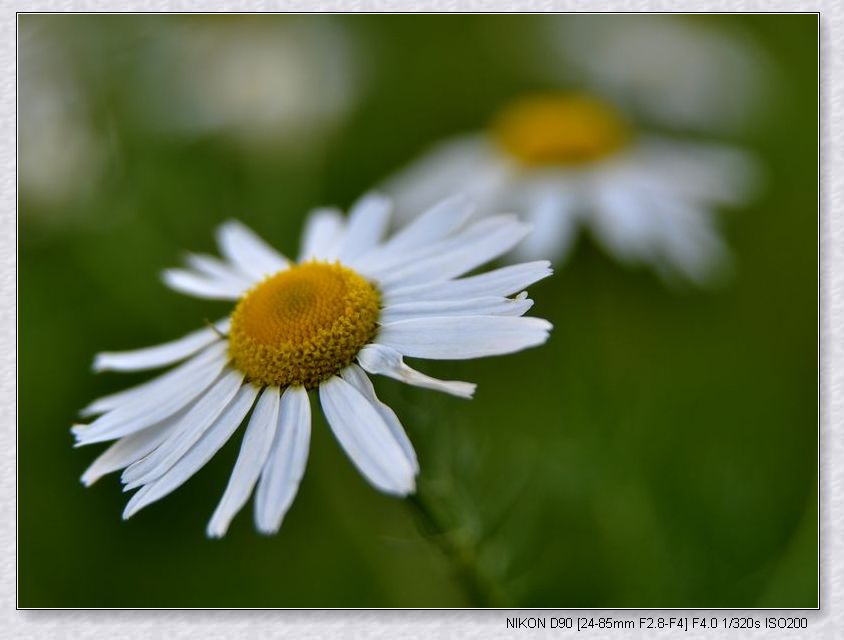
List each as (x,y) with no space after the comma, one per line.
(660,450)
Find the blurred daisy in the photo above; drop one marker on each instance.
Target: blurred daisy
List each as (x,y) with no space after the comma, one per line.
(259,82)
(566,161)
(352,305)
(675,70)
(60,155)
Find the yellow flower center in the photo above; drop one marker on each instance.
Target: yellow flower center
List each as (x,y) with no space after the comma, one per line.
(560,129)
(303,325)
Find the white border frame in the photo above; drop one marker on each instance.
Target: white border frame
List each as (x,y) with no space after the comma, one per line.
(826,622)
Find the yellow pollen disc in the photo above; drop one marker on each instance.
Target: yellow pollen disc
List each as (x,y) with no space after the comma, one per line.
(560,129)
(303,325)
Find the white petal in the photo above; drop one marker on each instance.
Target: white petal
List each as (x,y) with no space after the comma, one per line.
(554,225)
(253,454)
(368,221)
(200,286)
(146,392)
(480,243)
(707,173)
(127,450)
(189,431)
(689,243)
(162,354)
(464,337)
(285,465)
(248,252)
(366,438)
(412,257)
(498,282)
(162,401)
(673,234)
(323,235)
(489,306)
(624,222)
(436,224)
(466,164)
(216,269)
(210,443)
(356,377)
(378,359)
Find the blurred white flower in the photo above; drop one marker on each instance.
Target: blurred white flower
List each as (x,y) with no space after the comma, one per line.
(678,71)
(60,155)
(262,82)
(566,161)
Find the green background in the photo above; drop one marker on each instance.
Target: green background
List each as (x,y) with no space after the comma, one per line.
(660,450)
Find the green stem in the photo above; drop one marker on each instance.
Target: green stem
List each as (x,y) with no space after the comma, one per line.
(481,591)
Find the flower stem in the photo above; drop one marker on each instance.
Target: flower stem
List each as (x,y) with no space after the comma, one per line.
(480,589)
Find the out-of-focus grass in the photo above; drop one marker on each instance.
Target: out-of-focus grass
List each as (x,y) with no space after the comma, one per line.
(660,450)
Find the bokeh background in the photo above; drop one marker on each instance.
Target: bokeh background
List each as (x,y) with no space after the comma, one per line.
(660,450)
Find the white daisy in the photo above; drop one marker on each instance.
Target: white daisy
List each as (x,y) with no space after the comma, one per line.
(61,155)
(262,83)
(351,305)
(677,70)
(566,160)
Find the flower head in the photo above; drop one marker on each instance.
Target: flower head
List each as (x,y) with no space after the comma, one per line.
(560,129)
(571,160)
(351,305)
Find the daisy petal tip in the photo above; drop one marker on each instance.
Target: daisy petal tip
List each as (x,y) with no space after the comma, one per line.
(374,203)
(229,225)
(409,486)
(87,479)
(168,276)
(130,478)
(78,431)
(465,390)
(99,363)
(268,529)
(540,332)
(131,509)
(378,196)
(87,412)
(458,389)
(546,334)
(459,201)
(401,491)
(412,488)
